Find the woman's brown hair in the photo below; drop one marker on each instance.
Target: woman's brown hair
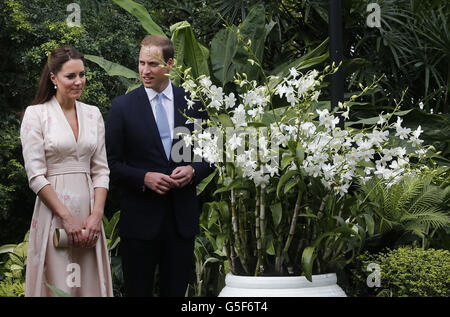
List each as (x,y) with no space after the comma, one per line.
(55,61)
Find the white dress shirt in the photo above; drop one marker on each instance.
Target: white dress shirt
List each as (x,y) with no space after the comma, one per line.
(167,102)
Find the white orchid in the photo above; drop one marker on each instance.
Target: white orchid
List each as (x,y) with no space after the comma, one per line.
(337,156)
(229,101)
(234,142)
(382,120)
(205,82)
(293,72)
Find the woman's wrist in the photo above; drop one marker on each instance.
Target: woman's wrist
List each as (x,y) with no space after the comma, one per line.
(65,215)
(98,213)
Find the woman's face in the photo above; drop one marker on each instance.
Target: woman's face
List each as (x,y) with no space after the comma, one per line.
(70,80)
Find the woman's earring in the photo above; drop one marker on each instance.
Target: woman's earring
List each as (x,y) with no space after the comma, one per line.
(56,87)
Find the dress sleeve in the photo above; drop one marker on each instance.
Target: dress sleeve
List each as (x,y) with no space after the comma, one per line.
(32,139)
(99,164)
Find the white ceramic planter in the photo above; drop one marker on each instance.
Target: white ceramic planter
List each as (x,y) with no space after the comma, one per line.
(323,285)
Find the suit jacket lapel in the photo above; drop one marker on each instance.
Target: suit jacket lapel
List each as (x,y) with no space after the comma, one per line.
(178,104)
(149,117)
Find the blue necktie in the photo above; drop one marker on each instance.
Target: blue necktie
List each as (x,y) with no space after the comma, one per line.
(163,125)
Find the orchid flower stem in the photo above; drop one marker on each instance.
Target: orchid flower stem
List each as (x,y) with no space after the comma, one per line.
(262,221)
(292,229)
(242,232)
(257,231)
(234,223)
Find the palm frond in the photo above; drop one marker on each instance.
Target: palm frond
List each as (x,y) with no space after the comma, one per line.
(414,205)
(415,228)
(433,217)
(431,196)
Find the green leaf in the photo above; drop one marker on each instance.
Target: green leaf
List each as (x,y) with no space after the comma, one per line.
(16,267)
(21,250)
(402,113)
(211,260)
(16,259)
(27,235)
(213,216)
(223,49)
(7,248)
(374,120)
(286,160)
(210,238)
(111,225)
(308,215)
(370,224)
(113,69)
(277,213)
(133,87)
(188,50)
(220,241)
(202,185)
(270,249)
(258,124)
(308,60)
(224,210)
(225,120)
(229,168)
(57,291)
(284,179)
(292,145)
(307,262)
(222,190)
(300,152)
(290,184)
(139,11)
(253,29)
(112,245)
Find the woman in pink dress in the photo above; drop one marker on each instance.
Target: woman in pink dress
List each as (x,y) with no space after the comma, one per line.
(65,161)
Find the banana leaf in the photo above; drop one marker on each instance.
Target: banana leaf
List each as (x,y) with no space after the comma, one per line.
(253,29)
(315,57)
(228,57)
(113,69)
(139,11)
(188,51)
(223,49)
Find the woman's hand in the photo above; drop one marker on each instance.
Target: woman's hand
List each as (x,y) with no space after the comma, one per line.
(74,233)
(93,227)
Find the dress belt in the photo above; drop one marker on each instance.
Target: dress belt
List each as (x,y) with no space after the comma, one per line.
(68,168)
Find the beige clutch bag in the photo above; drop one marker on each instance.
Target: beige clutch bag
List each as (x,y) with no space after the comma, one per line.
(60,238)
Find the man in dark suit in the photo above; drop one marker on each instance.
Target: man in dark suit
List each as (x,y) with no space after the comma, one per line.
(159,208)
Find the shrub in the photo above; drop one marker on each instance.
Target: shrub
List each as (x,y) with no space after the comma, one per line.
(12,288)
(405,272)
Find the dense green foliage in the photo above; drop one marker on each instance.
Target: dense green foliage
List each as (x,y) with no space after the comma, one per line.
(416,210)
(13,259)
(405,272)
(9,288)
(30,29)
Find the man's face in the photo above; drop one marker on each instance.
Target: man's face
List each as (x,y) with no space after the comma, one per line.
(152,68)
